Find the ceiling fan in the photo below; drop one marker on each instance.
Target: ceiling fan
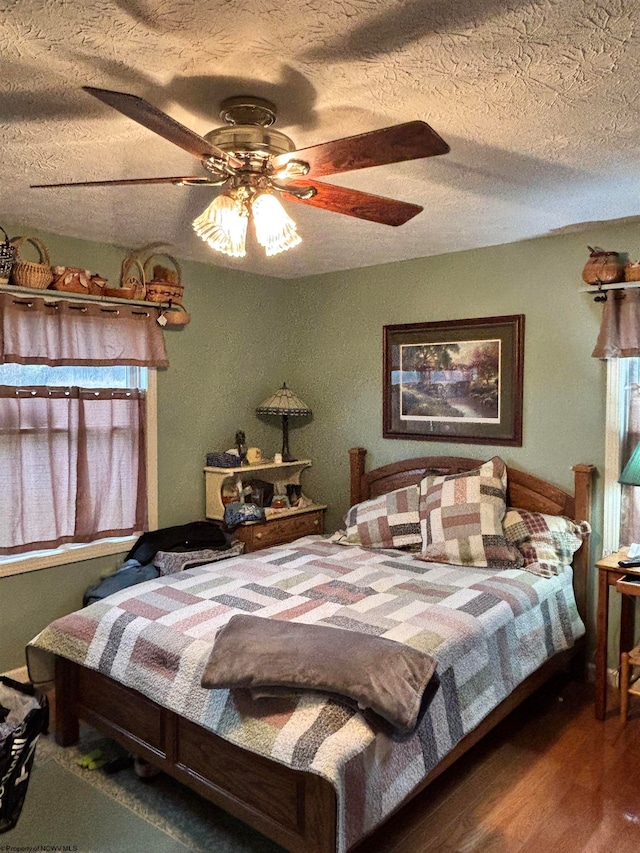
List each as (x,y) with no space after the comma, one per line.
(252,162)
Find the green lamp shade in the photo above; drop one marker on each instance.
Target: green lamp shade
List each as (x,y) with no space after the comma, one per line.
(631,474)
(283,402)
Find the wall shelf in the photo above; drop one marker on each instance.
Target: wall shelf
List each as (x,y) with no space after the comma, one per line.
(271,472)
(619,285)
(57,295)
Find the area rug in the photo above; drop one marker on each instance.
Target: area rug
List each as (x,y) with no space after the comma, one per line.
(164,803)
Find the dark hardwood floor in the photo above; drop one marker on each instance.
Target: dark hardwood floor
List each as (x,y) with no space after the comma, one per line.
(549,778)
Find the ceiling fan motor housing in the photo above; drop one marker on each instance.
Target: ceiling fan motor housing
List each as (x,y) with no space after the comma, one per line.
(248,134)
(247,140)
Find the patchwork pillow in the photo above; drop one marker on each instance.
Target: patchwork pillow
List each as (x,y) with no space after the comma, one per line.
(461,518)
(388,521)
(546,542)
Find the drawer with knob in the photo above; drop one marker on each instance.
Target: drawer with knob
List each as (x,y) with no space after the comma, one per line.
(282,529)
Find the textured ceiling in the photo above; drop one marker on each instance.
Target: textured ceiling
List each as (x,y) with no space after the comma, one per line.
(539,102)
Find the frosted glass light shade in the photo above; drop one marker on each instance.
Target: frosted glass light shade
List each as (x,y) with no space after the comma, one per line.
(223,225)
(275,230)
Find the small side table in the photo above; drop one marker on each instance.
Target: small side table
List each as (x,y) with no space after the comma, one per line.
(627,661)
(609,573)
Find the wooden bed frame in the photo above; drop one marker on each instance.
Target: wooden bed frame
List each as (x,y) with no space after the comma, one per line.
(295,808)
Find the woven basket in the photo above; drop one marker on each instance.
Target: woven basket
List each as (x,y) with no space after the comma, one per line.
(7,257)
(132,282)
(28,273)
(632,271)
(164,285)
(76,280)
(177,315)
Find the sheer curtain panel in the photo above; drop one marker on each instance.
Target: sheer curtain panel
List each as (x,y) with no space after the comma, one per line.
(619,338)
(72,466)
(630,495)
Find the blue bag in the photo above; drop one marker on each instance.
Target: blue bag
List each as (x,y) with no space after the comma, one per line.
(130,574)
(236,513)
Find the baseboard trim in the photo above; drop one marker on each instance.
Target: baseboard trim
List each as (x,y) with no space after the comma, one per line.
(613,675)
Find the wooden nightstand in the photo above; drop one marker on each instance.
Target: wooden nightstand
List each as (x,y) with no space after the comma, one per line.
(279,528)
(291,525)
(609,573)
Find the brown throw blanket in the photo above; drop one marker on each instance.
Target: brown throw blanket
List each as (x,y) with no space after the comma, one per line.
(381,675)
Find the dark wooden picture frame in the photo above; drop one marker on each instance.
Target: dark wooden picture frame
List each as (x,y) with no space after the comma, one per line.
(455,380)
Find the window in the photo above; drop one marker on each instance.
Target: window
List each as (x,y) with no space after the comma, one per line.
(622,503)
(77,461)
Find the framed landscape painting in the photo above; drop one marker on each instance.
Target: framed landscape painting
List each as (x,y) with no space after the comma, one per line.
(455,380)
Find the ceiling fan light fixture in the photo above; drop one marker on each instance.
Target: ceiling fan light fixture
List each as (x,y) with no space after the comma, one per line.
(276,232)
(223,225)
(292,170)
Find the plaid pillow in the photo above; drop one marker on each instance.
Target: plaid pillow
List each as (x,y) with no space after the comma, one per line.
(547,542)
(388,521)
(461,518)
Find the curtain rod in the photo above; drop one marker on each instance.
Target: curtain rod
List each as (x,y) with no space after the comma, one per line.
(55,295)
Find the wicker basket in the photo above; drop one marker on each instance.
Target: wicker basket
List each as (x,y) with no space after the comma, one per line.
(132,283)
(28,273)
(165,285)
(7,257)
(76,280)
(632,271)
(177,315)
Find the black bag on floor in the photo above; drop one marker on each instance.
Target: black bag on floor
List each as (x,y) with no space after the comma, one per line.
(24,715)
(183,537)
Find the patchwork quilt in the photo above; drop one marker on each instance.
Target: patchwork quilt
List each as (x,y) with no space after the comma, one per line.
(487,630)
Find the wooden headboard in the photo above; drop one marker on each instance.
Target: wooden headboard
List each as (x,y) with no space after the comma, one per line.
(523,490)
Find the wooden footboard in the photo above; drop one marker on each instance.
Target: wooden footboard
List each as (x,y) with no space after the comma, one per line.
(294,808)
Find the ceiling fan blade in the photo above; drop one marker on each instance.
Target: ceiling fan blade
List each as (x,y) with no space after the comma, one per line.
(409,141)
(154,119)
(186,180)
(375,208)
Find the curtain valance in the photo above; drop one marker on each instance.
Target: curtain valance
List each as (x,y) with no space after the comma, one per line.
(619,335)
(36,331)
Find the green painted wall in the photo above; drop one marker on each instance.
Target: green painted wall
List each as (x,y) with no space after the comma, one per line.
(338,371)
(323,335)
(223,365)
(31,600)
(340,322)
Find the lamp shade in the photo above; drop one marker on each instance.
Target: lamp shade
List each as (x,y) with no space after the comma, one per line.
(283,402)
(631,474)
(223,225)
